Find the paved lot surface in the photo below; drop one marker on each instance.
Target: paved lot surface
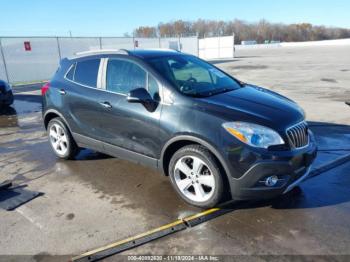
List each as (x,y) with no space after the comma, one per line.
(318,78)
(96,199)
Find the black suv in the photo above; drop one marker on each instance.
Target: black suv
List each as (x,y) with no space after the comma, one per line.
(6,95)
(210,133)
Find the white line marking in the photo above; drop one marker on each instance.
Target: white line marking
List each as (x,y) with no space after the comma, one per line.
(29,215)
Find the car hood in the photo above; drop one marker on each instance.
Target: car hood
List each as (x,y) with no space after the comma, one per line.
(255,104)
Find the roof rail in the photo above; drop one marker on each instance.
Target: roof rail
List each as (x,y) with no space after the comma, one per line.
(162,49)
(101,51)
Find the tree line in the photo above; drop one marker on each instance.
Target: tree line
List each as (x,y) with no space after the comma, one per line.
(259,31)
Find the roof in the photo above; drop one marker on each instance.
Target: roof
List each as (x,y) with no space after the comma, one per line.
(142,53)
(99,52)
(151,53)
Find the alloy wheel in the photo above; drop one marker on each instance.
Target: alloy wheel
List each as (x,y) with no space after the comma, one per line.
(58,139)
(194,178)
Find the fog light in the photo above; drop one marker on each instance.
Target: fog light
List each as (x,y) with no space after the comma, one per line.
(271,180)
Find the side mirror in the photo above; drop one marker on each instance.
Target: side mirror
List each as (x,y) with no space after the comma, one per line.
(141,95)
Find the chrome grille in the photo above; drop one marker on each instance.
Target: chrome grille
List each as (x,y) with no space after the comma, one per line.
(298,135)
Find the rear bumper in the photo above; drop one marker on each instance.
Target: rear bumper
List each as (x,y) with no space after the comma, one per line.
(6,98)
(290,172)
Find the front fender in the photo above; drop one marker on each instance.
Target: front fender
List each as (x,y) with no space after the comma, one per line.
(194,139)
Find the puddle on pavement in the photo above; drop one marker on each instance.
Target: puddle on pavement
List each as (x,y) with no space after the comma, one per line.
(23,104)
(27,103)
(8,117)
(331,136)
(126,184)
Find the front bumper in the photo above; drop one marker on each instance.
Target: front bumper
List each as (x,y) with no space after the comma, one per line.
(291,168)
(298,181)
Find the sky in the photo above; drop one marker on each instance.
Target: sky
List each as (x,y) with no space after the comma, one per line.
(116,17)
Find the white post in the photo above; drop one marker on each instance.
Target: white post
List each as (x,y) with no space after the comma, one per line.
(197,46)
(233,44)
(100,40)
(59,49)
(4,61)
(219,47)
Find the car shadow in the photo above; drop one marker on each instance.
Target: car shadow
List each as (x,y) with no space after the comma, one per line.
(7,111)
(88,154)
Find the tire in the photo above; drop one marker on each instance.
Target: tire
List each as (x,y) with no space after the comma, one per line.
(11,99)
(62,143)
(196,176)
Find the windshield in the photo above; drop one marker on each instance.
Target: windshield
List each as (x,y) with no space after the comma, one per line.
(192,76)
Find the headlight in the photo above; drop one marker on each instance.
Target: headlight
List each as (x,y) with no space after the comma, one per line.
(253,134)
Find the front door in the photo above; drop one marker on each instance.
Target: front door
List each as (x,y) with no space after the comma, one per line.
(129,125)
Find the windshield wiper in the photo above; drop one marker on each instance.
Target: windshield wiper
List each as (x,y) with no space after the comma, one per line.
(219,91)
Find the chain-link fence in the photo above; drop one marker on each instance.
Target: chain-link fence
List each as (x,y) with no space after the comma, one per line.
(38,63)
(31,59)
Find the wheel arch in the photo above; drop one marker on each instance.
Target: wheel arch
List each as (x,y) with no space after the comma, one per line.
(177,142)
(52,113)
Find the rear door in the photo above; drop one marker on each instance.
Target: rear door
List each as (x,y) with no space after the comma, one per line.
(130,125)
(82,97)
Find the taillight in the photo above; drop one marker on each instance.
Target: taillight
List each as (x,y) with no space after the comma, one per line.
(45,88)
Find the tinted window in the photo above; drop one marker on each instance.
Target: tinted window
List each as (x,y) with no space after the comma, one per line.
(86,72)
(123,76)
(70,74)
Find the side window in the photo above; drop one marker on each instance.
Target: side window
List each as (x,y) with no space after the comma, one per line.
(70,74)
(153,88)
(123,76)
(86,72)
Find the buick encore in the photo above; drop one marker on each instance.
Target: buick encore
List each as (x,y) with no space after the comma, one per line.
(213,135)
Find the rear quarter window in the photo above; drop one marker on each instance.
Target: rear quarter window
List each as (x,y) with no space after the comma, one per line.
(85,72)
(70,74)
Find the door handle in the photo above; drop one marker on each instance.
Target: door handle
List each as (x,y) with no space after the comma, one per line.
(106,104)
(62,92)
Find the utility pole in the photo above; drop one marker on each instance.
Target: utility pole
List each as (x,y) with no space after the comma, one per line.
(4,62)
(59,49)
